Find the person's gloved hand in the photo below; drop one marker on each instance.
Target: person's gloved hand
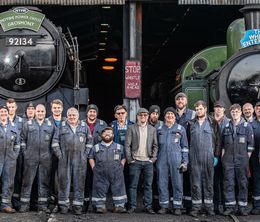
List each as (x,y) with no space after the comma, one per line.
(183,167)
(215,162)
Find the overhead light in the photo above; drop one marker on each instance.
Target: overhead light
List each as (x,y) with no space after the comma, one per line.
(101,49)
(103,31)
(102,43)
(104,24)
(110,59)
(106,7)
(108,67)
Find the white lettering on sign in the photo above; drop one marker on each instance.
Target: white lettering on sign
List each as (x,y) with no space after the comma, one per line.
(132,79)
(133,69)
(251,37)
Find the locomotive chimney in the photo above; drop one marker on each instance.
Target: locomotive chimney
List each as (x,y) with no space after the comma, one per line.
(252,16)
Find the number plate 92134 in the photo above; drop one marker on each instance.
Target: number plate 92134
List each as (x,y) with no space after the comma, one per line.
(20,41)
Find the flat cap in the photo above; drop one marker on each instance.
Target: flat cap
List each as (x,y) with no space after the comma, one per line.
(154,108)
(120,107)
(106,128)
(92,106)
(142,110)
(180,94)
(170,109)
(4,107)
(219,103)
(30,104)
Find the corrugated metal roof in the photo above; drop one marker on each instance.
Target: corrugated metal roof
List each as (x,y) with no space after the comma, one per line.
(62,2)
(217,2)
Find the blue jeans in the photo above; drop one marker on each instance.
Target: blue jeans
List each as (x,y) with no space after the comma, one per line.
(135,170)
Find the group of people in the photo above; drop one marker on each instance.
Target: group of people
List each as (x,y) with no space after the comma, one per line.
(191,160)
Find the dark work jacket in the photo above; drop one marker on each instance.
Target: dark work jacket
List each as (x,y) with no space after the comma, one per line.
(216,136)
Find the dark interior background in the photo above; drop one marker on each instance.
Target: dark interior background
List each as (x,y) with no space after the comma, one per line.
(171,35)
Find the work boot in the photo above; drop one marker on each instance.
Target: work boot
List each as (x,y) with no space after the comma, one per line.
(131,210)
(24,208)
(255,211)
(194,213)
(16,203)
(77,210)
(8,210)
(210,212)
(149,211)
(64,210)
(163,211)
(119,209)
(55,209)
(42,208)
(242,211)
(101,210)
(176,212)
(228,211)
(85,206)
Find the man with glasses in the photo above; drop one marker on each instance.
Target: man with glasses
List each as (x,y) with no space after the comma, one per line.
(141,152)
(237,144)
(120,124)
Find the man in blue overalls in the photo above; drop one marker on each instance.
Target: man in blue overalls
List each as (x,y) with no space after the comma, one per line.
(71,144)
(96,126)
(237,144)
(120,126)
(220,117)
(184,115)
(36,138)
(9,151)
(204,141)
(18,122)
(107,159)
(254,161)
(172,160)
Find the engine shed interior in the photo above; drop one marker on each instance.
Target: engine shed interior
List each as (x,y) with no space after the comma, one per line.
(171,34)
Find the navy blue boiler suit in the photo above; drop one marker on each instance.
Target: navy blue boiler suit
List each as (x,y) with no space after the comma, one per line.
(173,150)
(18,122)
(237,141)
(54,167)
(255,165)
(9,151)
(72,150)
(36,147)
(218,174)
(100,124)
(201,162)
(108,172)
(183,120)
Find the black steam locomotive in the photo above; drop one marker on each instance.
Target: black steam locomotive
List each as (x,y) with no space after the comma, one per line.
(229,72)
(38,62)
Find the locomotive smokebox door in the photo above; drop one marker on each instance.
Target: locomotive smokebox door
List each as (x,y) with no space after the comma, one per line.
(33,56)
